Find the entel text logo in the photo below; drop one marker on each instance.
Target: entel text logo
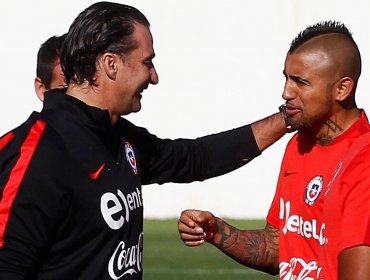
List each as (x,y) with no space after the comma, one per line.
(297,224)
(115,208)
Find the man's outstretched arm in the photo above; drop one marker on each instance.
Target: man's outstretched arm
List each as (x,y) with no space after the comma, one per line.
(257,249)
(270,129)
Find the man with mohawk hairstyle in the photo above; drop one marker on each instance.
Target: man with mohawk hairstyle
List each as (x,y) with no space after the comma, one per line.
(322,68)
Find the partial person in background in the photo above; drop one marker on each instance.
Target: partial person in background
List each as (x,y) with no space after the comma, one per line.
(49,74)
(322,69)
(71,176)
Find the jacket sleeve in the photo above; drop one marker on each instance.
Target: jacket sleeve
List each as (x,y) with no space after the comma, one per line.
(187,160)
(31,203)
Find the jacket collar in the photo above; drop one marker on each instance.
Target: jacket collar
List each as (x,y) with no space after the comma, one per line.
(76,110)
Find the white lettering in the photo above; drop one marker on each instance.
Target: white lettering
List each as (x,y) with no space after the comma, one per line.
(296,223)
(293,223)
(126,260)
(120,194)
(108,210)
(113,212)
(323,239)
(298,269)
(130,202)
(307,229)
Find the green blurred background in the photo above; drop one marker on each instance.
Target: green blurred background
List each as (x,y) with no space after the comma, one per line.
(166,257)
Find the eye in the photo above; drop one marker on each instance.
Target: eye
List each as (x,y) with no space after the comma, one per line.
(285,76)
(149,63)
(300,81)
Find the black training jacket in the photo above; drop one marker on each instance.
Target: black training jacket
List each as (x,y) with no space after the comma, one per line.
(70,187)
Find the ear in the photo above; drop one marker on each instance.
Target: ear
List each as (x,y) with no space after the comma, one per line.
(39,88)
(108,62)
(345,87)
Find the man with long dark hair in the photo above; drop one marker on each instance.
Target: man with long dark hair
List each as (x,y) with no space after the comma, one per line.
(70,177)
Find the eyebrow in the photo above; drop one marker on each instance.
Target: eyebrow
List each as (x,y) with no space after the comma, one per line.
(150,57)
(296,78)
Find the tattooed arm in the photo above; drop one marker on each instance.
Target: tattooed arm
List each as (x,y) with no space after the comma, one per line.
(257,249)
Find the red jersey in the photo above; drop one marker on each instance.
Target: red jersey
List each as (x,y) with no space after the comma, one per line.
(297,207)
(346,207)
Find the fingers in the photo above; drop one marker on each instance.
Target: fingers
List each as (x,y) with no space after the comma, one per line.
(188,218)
(192,238)
(194,219)
(193,243)
(191,226)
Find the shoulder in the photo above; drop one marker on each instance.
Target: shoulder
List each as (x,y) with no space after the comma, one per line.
(126,126)
(34,137)
(356,173)
(360,161)
(136,134)
(299,143)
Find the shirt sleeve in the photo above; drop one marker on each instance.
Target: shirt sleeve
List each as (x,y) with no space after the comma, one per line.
(355,197)
(277,205)
(187,160)
(273,214)
(30,206)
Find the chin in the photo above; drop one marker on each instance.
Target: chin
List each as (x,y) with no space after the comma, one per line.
(136,108)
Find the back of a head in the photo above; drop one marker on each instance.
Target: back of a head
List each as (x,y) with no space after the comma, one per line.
(102,27)
(47,56)
(336,40)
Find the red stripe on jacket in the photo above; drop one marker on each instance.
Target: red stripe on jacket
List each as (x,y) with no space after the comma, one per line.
(6,139)
(17,173)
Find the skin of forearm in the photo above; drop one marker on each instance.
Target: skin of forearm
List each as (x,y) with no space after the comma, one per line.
(257,249)
(268,130)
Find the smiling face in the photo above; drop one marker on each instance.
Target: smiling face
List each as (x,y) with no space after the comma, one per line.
(135,72)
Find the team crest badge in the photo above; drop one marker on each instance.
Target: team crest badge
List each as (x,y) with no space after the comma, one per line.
(130,156)
(313,190)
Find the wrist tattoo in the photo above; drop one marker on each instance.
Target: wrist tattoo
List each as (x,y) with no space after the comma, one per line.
(257,249)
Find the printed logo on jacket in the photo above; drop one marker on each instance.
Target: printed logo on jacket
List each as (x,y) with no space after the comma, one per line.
(115,209)
(297,226)
(130,156)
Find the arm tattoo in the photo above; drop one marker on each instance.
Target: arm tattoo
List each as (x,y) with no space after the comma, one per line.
(258,249)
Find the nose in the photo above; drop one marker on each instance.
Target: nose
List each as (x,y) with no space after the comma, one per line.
(153,76)
(288,93)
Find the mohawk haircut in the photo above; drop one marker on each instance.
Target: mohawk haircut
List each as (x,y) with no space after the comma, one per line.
(317,29)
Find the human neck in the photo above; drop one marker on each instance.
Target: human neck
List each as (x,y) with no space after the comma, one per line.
(87,93)
(90,95)
(336,125)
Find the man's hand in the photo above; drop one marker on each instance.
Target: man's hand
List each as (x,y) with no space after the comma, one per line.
(196,227)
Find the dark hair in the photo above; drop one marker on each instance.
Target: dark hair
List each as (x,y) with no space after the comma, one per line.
(47,56)
(320,28)
(102,27)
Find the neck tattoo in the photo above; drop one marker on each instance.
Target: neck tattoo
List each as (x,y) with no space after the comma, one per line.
(333,131)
